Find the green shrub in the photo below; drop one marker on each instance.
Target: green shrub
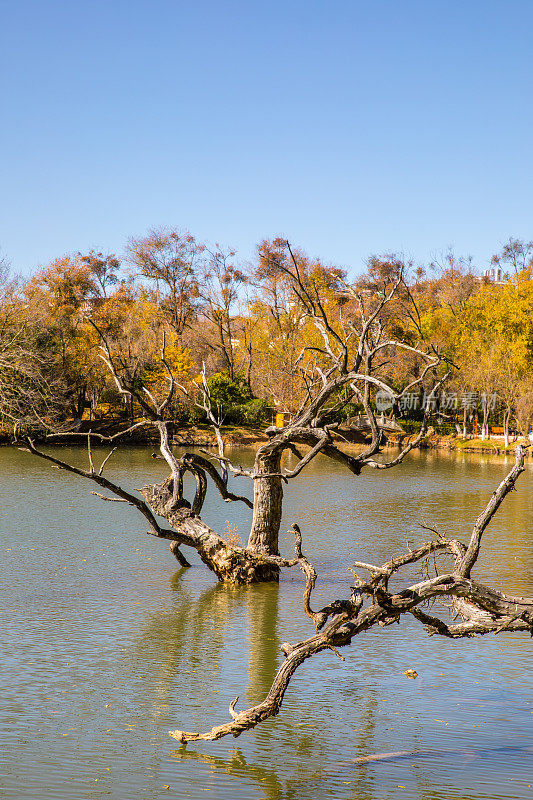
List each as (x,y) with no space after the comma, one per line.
(234,401)
(414,425)
(344,413)
(226,392)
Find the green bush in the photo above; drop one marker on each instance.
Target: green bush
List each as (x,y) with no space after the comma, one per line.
(344,413)
(414,425)
(234,401)
(445,428)
(226,392)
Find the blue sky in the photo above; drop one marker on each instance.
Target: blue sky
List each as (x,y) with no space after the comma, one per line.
(349,127)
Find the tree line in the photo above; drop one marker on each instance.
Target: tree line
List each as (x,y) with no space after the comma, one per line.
(243,331)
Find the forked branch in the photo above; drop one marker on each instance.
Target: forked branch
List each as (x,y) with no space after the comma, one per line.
(123,494)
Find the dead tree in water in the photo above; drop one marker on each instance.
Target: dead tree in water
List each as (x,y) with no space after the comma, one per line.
(349,361)
(371,602)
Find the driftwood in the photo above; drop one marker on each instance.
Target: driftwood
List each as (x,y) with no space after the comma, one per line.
(370,603)
(465,752)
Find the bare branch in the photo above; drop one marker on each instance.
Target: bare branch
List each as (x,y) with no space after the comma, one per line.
(106,459)
(485,517)
(207,466)
(418,438)
(91,465)
(172,384)
(101,436)
(110,499)
(143,507)
(239,471)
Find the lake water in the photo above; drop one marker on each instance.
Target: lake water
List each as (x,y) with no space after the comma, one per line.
(105,645)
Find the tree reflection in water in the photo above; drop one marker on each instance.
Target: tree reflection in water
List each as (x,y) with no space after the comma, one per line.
(179,649)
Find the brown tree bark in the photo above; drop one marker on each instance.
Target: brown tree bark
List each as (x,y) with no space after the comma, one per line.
(268,501)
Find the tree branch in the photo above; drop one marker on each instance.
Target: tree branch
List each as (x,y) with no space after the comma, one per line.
(506,486)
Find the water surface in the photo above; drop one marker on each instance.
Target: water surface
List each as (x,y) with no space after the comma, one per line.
(106,645)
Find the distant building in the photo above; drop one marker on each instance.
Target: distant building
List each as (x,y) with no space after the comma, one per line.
(496,275)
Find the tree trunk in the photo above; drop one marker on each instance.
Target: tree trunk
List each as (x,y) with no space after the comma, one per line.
(506,418)
(80,403)
(268,500)
(230,563)
(485,424)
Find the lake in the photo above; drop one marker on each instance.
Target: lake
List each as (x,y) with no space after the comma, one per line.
(106,645)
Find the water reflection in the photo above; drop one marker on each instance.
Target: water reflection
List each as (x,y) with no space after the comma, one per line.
(183,647)
(236,766)
(264,643)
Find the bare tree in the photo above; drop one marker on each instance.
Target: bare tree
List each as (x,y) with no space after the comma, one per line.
(524,407)
(516,254)
(103,269)
(351,361)
(219,291)
(372,602)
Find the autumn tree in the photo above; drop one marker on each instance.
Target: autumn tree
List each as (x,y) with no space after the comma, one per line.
(133,326)
(221,282)
(280,326)
(493,342)
(30,391)
(523,407)
(168,260)
(61,295)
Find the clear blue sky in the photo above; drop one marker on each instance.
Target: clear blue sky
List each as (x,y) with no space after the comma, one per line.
(350,127)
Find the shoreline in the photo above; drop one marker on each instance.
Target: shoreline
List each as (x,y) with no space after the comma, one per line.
(245,436)
(457,444)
